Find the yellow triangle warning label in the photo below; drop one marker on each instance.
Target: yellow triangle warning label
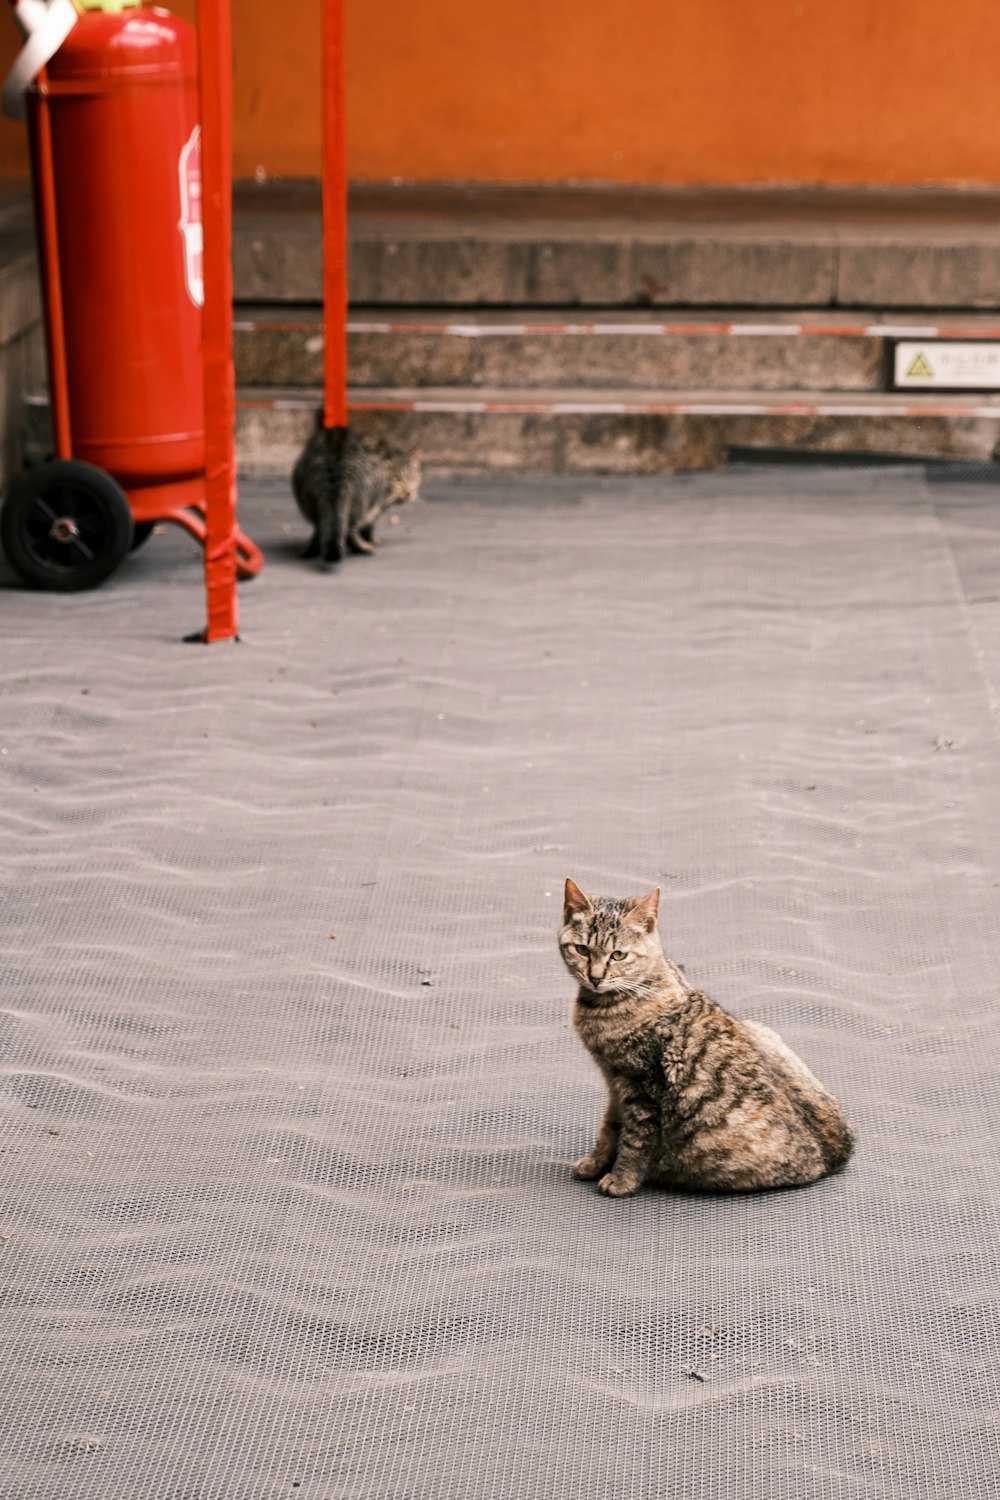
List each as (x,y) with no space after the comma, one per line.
(919,367)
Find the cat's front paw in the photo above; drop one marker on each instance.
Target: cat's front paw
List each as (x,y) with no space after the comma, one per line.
(618,1185)
(587,1168)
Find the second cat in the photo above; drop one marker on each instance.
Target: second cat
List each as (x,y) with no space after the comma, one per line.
(343,483)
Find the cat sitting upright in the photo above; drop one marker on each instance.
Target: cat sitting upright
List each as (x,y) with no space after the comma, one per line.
(343,483)
(696,1098)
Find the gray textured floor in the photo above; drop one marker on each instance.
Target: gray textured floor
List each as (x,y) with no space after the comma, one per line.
(288,1213)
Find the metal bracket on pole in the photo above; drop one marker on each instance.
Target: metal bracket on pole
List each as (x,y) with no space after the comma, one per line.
(45,24)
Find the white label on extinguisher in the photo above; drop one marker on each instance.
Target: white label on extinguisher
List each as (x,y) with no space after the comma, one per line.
(189,166)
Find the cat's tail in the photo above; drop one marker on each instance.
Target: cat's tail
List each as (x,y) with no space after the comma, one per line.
(332,524)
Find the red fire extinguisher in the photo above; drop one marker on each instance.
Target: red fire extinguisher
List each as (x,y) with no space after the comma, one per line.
(113,127)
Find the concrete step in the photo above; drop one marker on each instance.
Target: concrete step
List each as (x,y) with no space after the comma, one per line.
(489,349)
(484,349)
(617,431)
(483,245)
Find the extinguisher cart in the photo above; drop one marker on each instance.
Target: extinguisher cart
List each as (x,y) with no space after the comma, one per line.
(116,158)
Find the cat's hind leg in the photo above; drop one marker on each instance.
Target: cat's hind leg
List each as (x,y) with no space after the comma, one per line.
(313,548)
(333,505)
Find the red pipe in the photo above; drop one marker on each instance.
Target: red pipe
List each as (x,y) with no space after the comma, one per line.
(48,244)
(334,219)
(215,53)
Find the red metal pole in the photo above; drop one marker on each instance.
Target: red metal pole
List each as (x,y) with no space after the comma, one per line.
(48,243)
(334,219)
(215,59)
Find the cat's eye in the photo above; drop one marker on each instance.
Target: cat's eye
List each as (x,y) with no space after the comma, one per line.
(580,948)
(619,954)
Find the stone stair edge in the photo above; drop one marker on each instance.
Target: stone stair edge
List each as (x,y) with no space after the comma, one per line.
(587,245)
(697,273)
(859,210)
(607,432)
(444,316)
(621,437)
(394,398)
(379,318)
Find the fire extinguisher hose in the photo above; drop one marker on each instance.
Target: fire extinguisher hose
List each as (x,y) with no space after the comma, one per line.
(45,27)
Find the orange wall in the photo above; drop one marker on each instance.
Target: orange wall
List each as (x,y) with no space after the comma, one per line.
(677,91)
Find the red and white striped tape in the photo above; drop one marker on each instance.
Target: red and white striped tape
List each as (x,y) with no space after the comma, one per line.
(640,330)
(640,408)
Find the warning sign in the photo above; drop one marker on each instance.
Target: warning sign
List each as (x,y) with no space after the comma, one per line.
(948,364)
(920,369)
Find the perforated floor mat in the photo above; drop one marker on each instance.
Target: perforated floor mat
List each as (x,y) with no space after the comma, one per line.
(289,1085)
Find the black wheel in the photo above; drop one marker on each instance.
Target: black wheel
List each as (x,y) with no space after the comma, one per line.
(141,532)
(65,525)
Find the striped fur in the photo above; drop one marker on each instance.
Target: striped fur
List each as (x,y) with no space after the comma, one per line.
(696,1098)
(343,483)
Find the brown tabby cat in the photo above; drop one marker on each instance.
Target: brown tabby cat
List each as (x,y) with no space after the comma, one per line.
(696,1099)
(343,483)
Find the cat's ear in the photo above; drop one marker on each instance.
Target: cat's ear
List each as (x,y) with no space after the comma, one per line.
(575,901)
(646,909)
